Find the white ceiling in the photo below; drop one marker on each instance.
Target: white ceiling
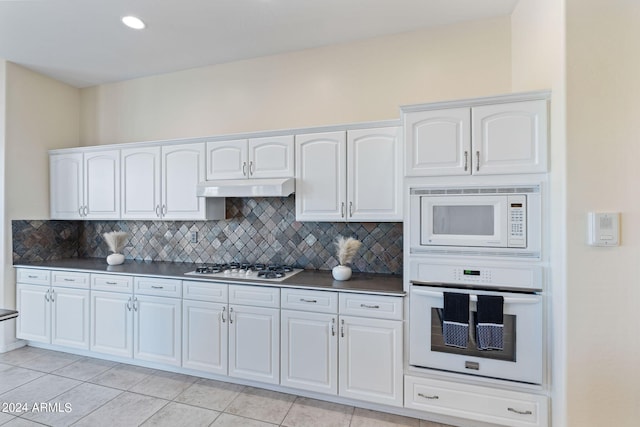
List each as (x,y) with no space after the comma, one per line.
(83,42)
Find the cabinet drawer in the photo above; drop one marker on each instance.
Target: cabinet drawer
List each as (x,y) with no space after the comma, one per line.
(475,402)
(33,276)
(382,307)
(262,296)
(110,282)
(300,299)
(205,291)
(70,279)
(158,287)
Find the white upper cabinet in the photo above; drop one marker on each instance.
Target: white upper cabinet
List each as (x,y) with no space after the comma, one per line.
(374,175)
(438,142)
(349,176)
(141,183)
(501,138)
(269,157)
(160,183)
(510,138)
(321,176)
(85,185)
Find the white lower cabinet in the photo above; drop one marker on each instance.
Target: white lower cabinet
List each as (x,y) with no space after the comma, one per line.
(348,355)
(309,351)
(371,360)
(486,404)
(50,313)
(205,331)
(254,333)
(140,326)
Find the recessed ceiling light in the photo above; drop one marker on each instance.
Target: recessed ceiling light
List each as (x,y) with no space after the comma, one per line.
(133,22)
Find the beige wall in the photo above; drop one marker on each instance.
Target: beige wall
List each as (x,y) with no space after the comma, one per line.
(353,82)
(603,148)
(41,114)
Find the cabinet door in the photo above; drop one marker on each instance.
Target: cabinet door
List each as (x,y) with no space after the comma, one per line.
(204,336)
(102,184)
(374,177)
(370,360)
(70,317)
(112,323)
(321,173)
(157,329)
(438,142)
(182,169)
(510,138)
(227,159)
(33,323)
(254,343)
(66,182)
(271,157)
(141,183)
(309,351)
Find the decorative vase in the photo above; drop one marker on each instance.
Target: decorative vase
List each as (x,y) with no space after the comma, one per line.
(341,272)
(115,259)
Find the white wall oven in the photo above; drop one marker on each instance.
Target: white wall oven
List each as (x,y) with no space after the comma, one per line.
(498,220)
(479,320)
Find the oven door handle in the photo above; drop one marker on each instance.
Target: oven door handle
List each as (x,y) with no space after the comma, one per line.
(474,298)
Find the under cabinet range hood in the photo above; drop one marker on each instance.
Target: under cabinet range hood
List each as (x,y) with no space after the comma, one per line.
(263,187)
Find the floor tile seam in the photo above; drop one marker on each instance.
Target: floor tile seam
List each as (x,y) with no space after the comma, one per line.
(103,404)
(243,416)
(10,390)
(252,419)
(159,409)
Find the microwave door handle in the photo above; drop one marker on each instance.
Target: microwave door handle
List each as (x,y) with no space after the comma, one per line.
(474,298)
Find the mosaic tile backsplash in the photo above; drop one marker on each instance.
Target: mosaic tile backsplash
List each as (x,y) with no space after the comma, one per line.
(256,230)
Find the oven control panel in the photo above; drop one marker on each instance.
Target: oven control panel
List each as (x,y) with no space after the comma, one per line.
(470,275)
(525,277)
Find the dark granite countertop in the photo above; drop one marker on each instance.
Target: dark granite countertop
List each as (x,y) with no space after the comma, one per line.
(370,283)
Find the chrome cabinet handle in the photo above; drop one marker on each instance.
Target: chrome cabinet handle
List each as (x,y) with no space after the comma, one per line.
(32,277)
(333,326)
(80,211)
(46,296)
(434,397)
(129,304)
(342,328)
(369,306)
(351,209)
(342,210)
(222,314)
(313,301)
(157,287)
(85,210)
(515,411)
(251,168)
(135,304)
(110,283)
(230,315)
(53,291)
(466,160)
(164,210)
(244,168)
(66,279)
(477,161)
(157,209)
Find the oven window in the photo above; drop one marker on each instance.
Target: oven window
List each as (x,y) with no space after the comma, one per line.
(471,220)
(508,353)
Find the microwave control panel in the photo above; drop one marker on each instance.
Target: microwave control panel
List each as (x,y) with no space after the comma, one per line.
(517,221)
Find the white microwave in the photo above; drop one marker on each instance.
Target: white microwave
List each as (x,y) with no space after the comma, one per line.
(503,221)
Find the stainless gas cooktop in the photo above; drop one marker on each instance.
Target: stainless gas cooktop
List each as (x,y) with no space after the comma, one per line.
(245,271)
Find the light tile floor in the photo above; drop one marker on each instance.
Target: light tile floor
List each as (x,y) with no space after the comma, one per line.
(101,393)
